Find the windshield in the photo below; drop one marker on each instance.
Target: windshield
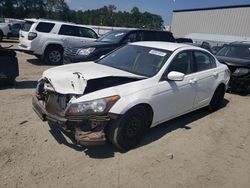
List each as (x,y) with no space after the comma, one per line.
(144,61)
(241,52)
(112,37)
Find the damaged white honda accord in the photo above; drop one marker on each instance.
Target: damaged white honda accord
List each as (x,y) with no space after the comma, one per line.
(122,95)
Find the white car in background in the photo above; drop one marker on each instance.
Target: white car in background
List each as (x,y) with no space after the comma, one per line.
(46,39)
(130,90)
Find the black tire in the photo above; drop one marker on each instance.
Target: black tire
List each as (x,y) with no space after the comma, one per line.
(127,131)
(1,35)
(53,55)
(217,98)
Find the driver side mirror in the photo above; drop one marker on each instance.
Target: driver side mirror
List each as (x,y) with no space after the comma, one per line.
(175,76)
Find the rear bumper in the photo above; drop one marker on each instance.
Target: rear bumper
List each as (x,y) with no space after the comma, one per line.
(25,49)
(88,130)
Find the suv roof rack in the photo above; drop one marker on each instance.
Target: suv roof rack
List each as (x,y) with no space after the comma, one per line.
(45,19)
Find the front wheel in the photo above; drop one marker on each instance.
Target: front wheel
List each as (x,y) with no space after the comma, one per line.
(127,131)
(217,98)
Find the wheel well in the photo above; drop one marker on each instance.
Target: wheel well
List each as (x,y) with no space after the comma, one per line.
(150,111)
(54,46)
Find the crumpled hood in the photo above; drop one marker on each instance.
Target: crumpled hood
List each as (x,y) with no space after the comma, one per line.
(73,78)
(234,61)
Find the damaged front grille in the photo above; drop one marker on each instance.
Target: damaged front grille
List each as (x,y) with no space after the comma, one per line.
(55,103)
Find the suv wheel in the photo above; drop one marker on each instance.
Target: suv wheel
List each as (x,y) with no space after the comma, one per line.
(53,55)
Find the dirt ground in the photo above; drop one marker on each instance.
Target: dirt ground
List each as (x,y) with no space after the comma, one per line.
(196,150)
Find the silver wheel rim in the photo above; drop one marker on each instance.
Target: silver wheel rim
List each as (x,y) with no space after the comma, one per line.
(54,56)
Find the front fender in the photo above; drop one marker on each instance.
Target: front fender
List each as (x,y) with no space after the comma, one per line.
(126,103)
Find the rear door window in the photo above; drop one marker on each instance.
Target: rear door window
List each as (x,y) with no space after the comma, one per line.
(69,30)
(45,27)
(27,26)
(204,61)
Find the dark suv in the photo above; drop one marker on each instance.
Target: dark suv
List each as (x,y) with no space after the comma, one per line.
(110,41)
(236,56)
(8,67)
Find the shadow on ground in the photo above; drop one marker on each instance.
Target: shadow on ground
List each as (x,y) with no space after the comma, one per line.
(27,84)
(108,150)
(181,122)
(36,61)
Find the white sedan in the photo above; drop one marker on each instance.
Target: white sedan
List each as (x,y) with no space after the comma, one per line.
(122,95)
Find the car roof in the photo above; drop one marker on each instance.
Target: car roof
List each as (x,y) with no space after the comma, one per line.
(35,20)
(138,29)
(240,43)
(170,46)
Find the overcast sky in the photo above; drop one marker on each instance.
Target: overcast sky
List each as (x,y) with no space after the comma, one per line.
(161,7)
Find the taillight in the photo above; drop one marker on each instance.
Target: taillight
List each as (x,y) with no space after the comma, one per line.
(32,35)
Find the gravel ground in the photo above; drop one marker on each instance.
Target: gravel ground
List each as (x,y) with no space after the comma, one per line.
(196,150)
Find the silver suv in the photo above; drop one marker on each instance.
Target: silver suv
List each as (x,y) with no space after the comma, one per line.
(46,39)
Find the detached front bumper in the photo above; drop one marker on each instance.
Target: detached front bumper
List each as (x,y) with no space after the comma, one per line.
(88,130)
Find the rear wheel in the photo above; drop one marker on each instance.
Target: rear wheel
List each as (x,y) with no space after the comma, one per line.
(217,98)
(53,55)
(127,131)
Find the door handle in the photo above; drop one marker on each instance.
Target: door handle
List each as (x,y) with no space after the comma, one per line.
(215,73)
(193,81)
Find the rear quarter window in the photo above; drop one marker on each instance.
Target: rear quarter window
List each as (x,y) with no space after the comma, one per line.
(44,27)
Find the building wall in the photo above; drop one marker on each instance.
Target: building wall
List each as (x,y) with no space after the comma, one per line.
(229,21)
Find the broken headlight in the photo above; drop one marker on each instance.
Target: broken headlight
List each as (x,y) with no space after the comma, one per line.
(86,52)
(241,72)
(98,106)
